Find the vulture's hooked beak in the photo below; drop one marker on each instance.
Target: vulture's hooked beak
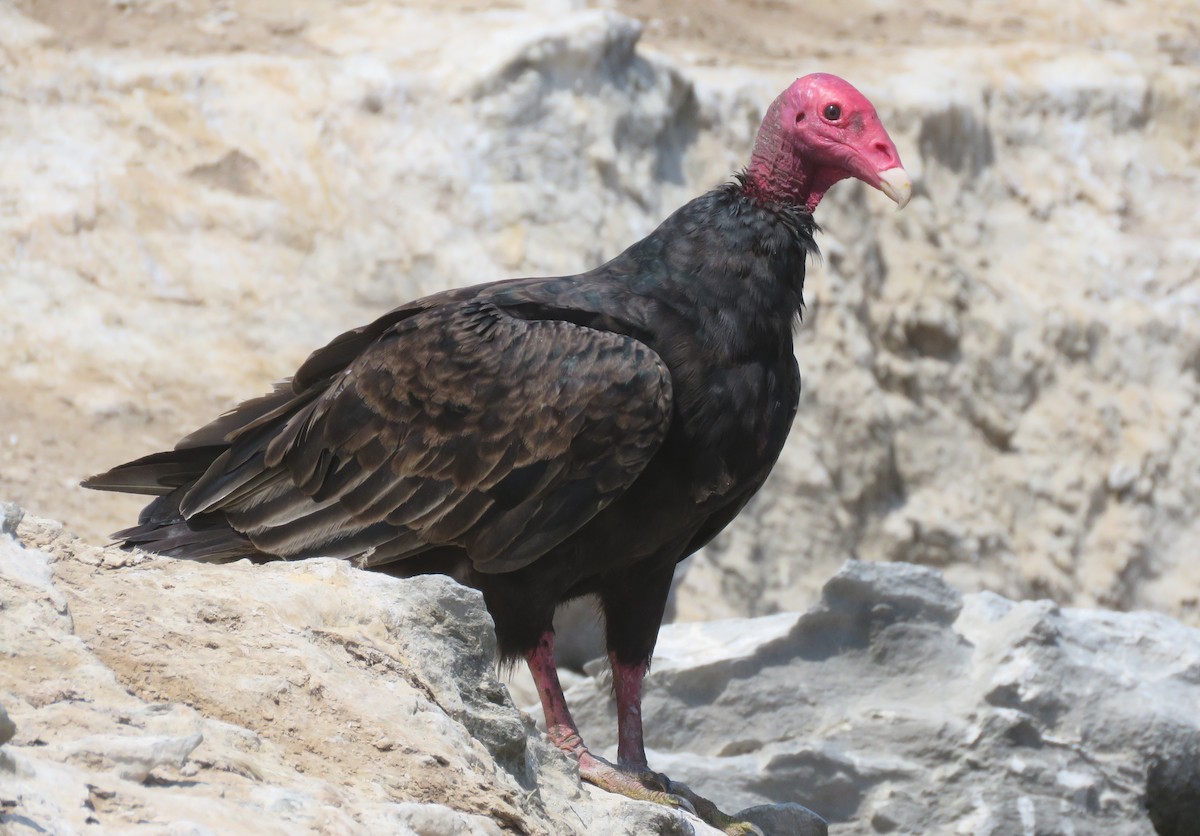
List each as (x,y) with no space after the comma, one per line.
(896,184)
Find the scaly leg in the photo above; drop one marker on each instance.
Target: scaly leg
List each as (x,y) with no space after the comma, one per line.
(631,749)
(565,735)
(627,683)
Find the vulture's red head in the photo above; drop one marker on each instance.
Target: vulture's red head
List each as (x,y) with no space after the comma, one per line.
(819,131)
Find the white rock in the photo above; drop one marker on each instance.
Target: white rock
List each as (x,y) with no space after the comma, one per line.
(438,820)
(7,727)
(133,758)
(981,369)
(306,696)
(897,706)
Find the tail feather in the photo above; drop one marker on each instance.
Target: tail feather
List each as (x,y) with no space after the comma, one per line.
(230,477)
(157,474)
(214,542)
(174,523)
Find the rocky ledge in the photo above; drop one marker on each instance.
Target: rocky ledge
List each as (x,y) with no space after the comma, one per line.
(142,693)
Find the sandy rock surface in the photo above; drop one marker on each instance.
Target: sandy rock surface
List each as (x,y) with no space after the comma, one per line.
(149,695)
(1000,381)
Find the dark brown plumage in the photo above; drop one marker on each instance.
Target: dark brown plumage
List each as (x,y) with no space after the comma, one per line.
(570,427)
(539,439)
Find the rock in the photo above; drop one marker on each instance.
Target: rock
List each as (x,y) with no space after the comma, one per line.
(308,696)
(785,819)
(10,517)
(322,697)
(898,706)
(133,758)
(999,381)
(437,820)
(1173,791)
(948,418)
(7,727)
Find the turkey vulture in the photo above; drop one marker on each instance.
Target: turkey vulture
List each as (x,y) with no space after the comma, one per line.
(543,439)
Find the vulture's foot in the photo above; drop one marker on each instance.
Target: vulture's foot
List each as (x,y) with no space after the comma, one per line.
(644,784)
(710,813)
(638,784)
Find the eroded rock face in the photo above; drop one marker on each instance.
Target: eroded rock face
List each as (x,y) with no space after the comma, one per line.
(898,706)
(142,693)
(1000,381)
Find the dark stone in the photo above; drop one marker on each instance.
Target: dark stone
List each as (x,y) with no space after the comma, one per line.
(1173,792)
(785,820)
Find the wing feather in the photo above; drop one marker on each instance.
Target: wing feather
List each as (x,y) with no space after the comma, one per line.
(456,424)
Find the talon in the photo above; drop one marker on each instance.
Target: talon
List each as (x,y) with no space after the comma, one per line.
(686,805)
(711,814)
(649,776)
(640,784)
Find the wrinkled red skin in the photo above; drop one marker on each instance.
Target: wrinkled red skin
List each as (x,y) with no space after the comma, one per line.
(627,683)
(800,152)
(630,776)
(561,728)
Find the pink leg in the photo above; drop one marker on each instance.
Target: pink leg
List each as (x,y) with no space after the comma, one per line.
(559,725)
(637,781)
(632,778)
(627,681)
(631,749)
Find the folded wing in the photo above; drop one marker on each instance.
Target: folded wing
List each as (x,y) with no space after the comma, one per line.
(460,425)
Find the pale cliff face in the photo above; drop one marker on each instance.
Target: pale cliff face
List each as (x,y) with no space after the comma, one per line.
(307,696)
(1001,380)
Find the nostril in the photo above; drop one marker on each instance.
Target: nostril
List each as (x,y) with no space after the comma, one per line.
(882,148)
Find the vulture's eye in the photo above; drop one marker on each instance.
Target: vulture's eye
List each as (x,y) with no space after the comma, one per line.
(832,112)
